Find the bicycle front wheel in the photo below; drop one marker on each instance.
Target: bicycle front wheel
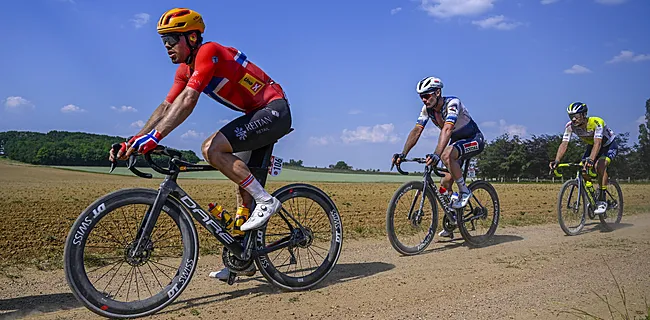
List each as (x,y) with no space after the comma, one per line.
(307,213)
(109,280)
(407,225)
(572,210)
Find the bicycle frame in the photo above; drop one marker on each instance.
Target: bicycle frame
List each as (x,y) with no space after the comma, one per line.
(581,182)
(169,186)
(429,183)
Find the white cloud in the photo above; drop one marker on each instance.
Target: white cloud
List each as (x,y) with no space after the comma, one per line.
(629,56)
(378,133)
(320,141)
(140,19)
(577,69)
(640,120)
(488,124)
(354,111)
(224,121)
(124,109)
(607,2)
(138,124)
(497,22)
(451,8)
(611,1)
(395,11)
(15,103)
(191,134)
(512,129)
(71,108)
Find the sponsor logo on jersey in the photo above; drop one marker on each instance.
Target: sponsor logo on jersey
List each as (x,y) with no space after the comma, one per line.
(470,146)
(251,83)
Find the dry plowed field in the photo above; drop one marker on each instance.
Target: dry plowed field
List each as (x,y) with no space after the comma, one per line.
(530,270)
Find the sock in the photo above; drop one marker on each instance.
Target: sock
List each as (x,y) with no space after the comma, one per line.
(252,186)
(462,188)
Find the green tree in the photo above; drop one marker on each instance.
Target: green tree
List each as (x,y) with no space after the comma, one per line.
(643,147)
(341,165)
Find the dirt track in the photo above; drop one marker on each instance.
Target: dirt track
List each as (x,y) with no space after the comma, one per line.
(528,272)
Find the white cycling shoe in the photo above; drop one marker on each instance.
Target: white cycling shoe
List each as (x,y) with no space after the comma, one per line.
(262,213)
(224,273)
(601,207)
(460,201)
(446,234)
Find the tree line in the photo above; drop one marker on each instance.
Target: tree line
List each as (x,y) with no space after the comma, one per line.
(507,157)
(67,148)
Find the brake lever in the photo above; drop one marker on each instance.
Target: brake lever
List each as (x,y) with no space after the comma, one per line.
(133,158)
(116,148)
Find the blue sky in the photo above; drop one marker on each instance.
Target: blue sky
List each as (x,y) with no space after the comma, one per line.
(348,67)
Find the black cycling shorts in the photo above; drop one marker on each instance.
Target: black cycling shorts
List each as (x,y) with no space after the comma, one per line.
(469,147)
(610,151)
(260,127)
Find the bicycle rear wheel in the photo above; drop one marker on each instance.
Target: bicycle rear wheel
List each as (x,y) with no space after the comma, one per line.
(406,230)
(480,217)
(614,199)
(300,265)
(573,219)
(106,278)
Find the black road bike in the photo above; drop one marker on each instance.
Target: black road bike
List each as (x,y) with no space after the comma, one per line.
(133,251)
(404,219)
(581,198)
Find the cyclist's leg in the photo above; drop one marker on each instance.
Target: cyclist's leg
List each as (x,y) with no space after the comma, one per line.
(605,156)
(242,135)
(249,132)
(460,151)
(244,199)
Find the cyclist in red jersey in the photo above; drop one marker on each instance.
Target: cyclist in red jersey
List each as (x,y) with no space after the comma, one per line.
(226,75)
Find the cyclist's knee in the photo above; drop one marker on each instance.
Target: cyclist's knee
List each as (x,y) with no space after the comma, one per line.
(214,145)
(601,165)
(448,155)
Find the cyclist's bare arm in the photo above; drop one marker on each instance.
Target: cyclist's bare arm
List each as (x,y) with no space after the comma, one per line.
(561,150)
(443,139)
(596,147)
(155,118)
(178,111)
(412,139)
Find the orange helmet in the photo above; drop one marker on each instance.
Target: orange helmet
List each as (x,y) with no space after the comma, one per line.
(180,20)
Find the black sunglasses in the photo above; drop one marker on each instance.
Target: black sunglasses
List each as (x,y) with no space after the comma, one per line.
(171,38)
(426,95)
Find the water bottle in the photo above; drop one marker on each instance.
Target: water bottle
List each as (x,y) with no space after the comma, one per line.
(590,187)
(444,192)
(222,215)
(240,218)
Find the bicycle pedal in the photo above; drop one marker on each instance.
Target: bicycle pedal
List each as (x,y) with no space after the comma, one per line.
(231,278)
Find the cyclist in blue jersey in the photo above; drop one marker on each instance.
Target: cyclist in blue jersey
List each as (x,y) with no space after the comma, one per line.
(460,137)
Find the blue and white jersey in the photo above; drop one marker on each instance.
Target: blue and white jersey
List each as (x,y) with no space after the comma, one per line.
(453,111)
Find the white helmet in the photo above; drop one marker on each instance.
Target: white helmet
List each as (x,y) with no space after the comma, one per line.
(428,85)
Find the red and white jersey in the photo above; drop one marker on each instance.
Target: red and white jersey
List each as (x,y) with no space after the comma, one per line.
(226,75)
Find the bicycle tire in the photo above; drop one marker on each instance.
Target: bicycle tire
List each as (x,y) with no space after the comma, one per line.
(304,282)
(390,219)
(76,274)
(569,231)
(477,241)
(619,212)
